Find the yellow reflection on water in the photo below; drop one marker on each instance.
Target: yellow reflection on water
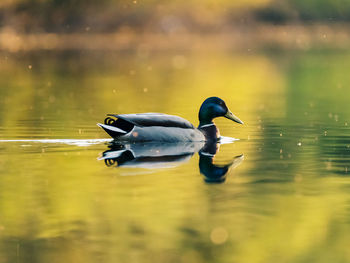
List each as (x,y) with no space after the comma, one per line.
(286,202)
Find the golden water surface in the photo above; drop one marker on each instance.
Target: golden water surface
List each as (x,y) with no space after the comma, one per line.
(288,201)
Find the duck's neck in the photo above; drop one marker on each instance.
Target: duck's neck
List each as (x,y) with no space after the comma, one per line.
(210,131)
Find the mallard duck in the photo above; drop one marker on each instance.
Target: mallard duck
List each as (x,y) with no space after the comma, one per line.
(161,127)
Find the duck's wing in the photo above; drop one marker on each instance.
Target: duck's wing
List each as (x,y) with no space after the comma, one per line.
(155,119)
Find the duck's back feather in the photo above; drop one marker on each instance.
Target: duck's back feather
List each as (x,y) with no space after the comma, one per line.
(155,119)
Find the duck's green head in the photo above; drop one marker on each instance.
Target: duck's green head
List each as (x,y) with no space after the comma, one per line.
(215,107)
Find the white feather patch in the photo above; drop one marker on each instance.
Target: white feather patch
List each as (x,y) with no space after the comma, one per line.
(111,128)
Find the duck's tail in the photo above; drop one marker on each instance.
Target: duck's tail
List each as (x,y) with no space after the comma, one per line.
(112,130)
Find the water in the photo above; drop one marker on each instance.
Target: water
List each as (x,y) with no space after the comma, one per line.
(285,197)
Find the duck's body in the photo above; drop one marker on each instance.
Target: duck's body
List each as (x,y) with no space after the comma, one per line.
(161,127)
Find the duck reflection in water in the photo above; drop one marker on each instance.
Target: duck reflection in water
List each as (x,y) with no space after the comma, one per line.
(168,155)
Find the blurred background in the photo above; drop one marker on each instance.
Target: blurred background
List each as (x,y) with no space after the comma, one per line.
(281,66)
(125,24)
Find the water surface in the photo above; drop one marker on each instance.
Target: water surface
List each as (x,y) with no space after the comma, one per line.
(288,201)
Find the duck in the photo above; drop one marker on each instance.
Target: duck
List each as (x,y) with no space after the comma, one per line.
(160,127)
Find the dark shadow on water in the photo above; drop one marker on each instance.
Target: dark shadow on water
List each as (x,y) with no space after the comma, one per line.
(168,155)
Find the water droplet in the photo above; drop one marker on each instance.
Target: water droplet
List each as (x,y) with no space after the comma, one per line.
(298,178)
(218,235)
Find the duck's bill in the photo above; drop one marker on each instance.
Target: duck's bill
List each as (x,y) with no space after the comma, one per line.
(231,116)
